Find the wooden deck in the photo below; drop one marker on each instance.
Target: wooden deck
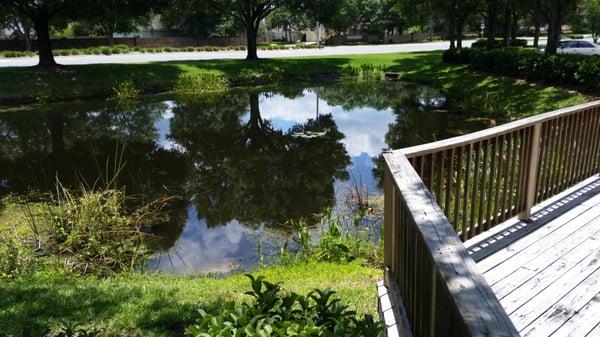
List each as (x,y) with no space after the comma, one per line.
(546,273)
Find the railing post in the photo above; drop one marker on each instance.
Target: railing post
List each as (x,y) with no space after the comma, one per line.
(388,222)
(532,171)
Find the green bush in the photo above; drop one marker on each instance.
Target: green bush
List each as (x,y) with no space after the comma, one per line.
(275,312)
(189,49)
(200,83)
(116,50)
(106,51)
(125,90)
(482,43)
(572,70)
(457,55)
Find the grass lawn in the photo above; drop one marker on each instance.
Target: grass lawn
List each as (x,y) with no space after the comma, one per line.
(161,305)
(473,89)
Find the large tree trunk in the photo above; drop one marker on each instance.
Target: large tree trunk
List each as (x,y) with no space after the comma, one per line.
(251,38)
(507,22)
(459,33)
(42,27)
(492,21)
(555,26)
(536,34)
(452,24)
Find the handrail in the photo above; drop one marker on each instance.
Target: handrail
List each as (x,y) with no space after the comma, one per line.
(464,186)
(484,178)
(443,292)
(498,130)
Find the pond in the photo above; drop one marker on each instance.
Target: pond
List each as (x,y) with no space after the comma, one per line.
(240,165)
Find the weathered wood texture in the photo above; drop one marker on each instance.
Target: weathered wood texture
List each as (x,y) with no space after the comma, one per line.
(484,178)
(440,193)
(549,281)
(443,292)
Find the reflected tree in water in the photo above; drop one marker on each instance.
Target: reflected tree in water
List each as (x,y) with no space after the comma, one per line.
(251,172)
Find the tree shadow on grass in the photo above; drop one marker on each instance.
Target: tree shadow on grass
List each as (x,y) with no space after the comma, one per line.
(31,308)
(494,96)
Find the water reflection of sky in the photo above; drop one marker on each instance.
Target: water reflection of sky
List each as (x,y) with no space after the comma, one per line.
(218,249)
(233,245)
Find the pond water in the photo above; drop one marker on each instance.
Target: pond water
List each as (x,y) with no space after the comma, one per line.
(240,165)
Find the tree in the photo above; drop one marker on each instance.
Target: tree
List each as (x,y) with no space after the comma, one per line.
(118,16)
(41,13)
(288,20)
(457,12)
(558,11)
(590,10)
(193,17)
(493,8)
(249,15)
(21,26)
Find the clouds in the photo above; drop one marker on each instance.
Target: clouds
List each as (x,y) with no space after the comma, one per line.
(364,128)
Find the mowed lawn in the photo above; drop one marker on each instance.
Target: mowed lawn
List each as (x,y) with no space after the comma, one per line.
(466,86)
(161,305)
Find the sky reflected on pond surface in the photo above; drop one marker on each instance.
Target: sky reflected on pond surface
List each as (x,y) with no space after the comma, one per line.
(241,165)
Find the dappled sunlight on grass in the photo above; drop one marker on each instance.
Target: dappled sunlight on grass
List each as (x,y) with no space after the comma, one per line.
(158,305)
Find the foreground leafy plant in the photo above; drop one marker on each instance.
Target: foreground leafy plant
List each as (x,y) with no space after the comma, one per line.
(275,312)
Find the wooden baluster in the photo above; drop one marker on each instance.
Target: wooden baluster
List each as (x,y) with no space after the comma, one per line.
(466,225)
(505,209)
(475,195)
(449,186)
(482,208)
(457,198)
(531,180)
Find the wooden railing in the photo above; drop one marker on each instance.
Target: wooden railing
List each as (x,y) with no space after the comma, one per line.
(440,193)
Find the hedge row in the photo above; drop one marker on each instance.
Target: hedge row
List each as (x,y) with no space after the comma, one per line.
(122,49)
(482,43)
(580,71)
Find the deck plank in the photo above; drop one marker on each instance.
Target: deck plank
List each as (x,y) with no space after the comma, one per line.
(524,243)
(583,322)
(548,278)
(559,313)
(595,332)
(561,240)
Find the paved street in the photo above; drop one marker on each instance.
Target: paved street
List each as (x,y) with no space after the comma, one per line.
(139,57)
(337,50)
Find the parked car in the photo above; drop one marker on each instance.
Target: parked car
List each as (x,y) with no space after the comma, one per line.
(578,47)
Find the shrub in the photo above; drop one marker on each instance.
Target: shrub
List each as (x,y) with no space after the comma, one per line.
(125,90)
(75,52)
(457,55)
(482,43)
(116,50)
(574,70)
(200,83)
(189,49)
(96,51)
(62,52)
(168,49)
(364,72)
(275,312)
(106,51)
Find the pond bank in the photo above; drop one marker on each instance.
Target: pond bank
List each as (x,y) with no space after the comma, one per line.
(161,305)
(471,88)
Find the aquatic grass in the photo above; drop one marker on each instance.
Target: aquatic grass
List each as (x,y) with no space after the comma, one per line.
(126,89)
(201,83)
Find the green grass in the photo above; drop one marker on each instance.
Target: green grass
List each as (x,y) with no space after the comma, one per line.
(465,85)
(161,305)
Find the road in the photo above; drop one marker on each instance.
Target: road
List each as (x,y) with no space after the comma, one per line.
(190,56)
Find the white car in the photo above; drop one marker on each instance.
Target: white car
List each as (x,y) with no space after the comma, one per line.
(578,47)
